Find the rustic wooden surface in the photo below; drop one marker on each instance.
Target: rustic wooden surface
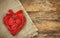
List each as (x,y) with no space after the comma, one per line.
(46,16)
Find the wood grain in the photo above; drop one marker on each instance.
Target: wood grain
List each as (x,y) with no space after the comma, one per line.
(46,16)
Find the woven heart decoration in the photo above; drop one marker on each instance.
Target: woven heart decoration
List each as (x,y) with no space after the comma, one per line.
(14,21)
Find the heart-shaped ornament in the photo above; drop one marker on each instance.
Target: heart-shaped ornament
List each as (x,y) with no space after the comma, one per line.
(14,21)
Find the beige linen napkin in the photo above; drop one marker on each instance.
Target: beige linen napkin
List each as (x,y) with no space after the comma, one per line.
(29,29)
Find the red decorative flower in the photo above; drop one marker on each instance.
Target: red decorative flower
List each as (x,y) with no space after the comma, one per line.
(14,21)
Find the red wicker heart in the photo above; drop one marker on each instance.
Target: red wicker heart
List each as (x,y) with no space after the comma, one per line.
(14,21)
